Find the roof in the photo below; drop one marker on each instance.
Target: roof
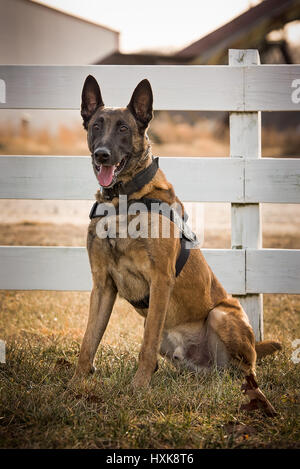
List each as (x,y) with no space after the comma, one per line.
(268,12)
(117,58)
(77,17)
(249,30)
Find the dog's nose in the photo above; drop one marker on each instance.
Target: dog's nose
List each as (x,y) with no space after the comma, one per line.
(102,154)
(178,353)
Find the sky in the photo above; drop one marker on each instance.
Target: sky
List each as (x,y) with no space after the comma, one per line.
(165,25)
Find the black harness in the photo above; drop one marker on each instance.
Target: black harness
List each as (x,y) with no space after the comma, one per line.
(188,239)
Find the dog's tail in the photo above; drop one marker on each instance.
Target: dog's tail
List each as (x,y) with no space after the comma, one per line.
(267,347)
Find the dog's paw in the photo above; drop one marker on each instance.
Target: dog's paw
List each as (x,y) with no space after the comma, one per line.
(140,381)
(83,372)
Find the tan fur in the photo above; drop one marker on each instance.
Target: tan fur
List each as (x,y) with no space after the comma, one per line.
(191,319)
(267,347)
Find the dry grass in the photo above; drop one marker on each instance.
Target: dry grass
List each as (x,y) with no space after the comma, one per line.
(40,409)
(171,135)
(66,141)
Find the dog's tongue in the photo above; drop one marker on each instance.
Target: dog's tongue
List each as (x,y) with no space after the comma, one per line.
(105,175)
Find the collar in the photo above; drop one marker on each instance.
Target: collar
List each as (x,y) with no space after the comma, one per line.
(137,182)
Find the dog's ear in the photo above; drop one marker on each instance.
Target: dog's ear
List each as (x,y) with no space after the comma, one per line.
(91,99)
(141,103)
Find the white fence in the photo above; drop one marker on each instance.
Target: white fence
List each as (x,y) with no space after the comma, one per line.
(245,180)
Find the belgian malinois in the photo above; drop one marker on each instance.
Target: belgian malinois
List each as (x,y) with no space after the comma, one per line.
(189,318)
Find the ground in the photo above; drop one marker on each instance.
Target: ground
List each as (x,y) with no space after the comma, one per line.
(39,408)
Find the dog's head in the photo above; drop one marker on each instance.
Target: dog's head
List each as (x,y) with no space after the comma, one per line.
(116,137)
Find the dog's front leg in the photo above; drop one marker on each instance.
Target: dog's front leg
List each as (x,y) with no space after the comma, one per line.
(101,305)
(160,291)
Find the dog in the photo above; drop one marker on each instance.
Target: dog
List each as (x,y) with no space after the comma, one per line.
(189,317)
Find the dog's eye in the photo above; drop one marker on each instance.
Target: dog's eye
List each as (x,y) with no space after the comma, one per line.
(99,124)
(123,128)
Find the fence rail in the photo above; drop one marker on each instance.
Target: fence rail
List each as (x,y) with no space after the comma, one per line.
(209,179)
(67,268)
(244,88)
(176,87)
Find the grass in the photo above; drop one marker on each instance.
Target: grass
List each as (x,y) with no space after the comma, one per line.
(40,408)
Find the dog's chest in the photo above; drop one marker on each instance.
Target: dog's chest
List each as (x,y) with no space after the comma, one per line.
(130,277)
(126,261)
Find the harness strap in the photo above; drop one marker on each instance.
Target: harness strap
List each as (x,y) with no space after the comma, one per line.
(183,256)
(154,205)
(180,263)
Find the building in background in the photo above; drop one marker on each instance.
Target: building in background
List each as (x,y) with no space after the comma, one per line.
(261,27)
(35,34)
(253,29)
(31,33)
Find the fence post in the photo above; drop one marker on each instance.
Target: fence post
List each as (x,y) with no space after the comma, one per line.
(245,141)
